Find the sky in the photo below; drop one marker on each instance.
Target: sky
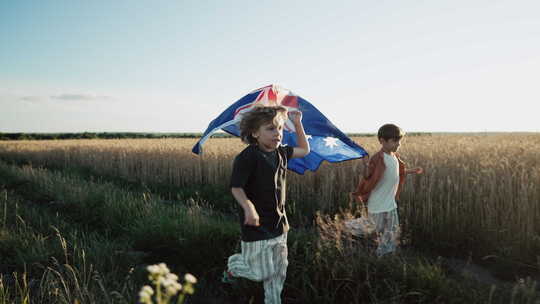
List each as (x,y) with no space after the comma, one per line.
(173,66)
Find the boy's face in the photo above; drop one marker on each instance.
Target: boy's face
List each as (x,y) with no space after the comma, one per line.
(390,145)
(269,135)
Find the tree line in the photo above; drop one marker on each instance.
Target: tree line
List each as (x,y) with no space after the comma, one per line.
(126,135)
(100,135)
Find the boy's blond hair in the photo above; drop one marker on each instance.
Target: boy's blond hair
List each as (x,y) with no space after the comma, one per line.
(257,117)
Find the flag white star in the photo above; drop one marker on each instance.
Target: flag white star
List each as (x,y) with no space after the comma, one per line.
(330,142)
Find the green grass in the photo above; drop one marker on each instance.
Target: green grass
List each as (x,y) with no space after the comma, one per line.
(78,222)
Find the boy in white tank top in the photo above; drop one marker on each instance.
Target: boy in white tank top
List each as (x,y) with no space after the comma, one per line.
(382,179)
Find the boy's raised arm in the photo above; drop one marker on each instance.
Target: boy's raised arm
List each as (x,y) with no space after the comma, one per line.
(302,149)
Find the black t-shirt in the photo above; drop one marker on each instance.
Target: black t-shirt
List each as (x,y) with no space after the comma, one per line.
(262,175)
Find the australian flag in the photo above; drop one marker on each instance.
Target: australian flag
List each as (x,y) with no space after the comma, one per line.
(326,141)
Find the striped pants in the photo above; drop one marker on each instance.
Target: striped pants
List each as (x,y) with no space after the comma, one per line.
(263,261)
(388,231)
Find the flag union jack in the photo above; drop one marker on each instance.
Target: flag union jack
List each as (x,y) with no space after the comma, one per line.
(268,96)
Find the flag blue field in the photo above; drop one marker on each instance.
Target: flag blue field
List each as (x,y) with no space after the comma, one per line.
(327,142)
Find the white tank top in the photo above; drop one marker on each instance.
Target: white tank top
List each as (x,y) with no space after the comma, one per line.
(383,197)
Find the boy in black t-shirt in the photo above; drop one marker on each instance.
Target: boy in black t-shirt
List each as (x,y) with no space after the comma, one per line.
(258,183)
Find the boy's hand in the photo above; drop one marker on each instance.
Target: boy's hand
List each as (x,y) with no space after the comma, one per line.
(417,171)
(302,149)
(251,217)
(295,117)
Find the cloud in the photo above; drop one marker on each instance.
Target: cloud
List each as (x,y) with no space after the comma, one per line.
(76,97)
(30,98)
(66,97)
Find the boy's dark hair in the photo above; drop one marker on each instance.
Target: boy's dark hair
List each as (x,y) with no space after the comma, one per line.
(257,117)
(390,131)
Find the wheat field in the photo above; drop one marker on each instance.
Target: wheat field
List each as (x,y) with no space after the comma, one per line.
(479,193)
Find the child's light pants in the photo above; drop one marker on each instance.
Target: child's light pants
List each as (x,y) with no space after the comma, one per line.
(388,231)
(264,261)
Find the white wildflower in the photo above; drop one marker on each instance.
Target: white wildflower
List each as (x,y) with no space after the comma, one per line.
(164,269)
(153,269)
(145,294)
(148,289)
(167,284)
(171,276)
(172,289)
(160,281)
(190,278)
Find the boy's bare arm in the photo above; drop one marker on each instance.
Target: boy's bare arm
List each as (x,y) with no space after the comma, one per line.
(414,171)
(302,149)
(363,167)
(251,217)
